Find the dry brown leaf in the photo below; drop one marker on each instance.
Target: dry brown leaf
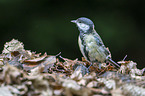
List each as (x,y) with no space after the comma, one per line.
(36,59)
(92,84)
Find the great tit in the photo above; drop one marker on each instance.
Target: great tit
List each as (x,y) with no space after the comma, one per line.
(91,44)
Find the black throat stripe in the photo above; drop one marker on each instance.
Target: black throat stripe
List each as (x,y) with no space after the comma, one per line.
(84,44)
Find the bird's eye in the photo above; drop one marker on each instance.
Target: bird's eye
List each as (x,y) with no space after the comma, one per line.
(80,22)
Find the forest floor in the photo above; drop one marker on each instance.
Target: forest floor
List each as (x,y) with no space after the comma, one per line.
(26,73)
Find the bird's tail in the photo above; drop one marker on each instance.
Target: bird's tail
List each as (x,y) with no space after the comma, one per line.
(113,62)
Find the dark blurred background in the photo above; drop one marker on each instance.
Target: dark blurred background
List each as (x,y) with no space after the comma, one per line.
(44,25)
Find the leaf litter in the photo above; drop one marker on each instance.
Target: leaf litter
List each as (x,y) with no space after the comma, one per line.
(26,73)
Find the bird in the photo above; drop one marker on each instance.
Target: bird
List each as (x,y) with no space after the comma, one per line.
(91,44)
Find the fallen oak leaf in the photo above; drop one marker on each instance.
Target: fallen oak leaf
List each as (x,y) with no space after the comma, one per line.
(36,59)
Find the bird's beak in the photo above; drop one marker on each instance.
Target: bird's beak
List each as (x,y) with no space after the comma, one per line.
(74,21)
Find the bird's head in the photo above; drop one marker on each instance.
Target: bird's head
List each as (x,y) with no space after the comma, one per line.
(84,24)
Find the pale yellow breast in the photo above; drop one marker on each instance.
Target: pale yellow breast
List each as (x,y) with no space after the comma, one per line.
(95,52)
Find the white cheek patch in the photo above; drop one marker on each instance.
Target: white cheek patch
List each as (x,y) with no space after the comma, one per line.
(83,26)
